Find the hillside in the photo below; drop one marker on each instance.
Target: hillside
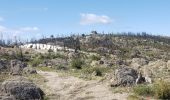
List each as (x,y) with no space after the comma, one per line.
(87,67)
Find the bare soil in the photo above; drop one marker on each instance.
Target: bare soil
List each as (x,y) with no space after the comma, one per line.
(73,88)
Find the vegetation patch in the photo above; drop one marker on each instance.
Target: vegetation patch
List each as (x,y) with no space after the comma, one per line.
(95,57)
(77,63)
(143,90)
(160,90)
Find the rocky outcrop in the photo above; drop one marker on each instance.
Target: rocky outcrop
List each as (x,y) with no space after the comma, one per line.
(17,67)
(20,89)
(125,77)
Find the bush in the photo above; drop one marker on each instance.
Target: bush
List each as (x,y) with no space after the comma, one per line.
(95,57)
(35,62)
(143,90)
(26,52)
(162,90)
(50,50)
(61,67)
(77,63)
(99,71)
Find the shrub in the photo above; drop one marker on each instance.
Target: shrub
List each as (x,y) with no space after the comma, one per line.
(77,63)
(35,62)
(50,50)
(95,57)
(61,67)
(162,90)
(26,52)
(99,71)
(143,90)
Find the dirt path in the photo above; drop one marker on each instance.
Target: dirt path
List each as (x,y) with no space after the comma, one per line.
(72,88)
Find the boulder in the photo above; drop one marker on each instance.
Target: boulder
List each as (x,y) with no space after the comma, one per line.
(20,89)
(3,64)
(29,70)
(17,66)
(125,77)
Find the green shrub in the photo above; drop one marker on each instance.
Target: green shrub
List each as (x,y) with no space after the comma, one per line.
(77,63)
(143,90)
(95,57)
(61,67)
(26,52)
(162,90)
(35,62)
(50,50)
(99,71)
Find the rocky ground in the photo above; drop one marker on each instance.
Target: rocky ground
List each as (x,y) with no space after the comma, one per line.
(107,68)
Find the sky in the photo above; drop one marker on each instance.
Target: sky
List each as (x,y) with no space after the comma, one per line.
(37,18)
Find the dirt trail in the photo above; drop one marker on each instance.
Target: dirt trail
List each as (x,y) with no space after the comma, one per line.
(73,88)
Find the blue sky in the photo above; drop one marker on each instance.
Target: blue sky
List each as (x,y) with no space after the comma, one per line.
(32,18)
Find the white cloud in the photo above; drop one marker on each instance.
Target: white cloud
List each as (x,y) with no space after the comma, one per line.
(29,29)
(1,19)
(89,18)
(18,30)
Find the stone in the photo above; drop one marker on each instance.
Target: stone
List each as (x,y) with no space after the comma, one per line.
(20,88)
(125,76)
(17,66)
(29,70)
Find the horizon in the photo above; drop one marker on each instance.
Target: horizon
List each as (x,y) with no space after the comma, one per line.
(27,19)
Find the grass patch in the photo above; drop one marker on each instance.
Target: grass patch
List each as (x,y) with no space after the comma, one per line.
(159,90)
(162,90)
(133,97)
(4,76)
(143,90)
(121,89)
